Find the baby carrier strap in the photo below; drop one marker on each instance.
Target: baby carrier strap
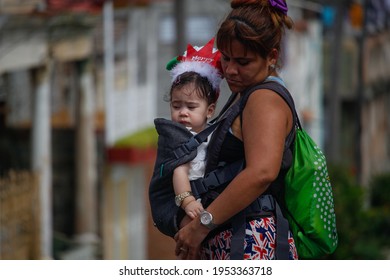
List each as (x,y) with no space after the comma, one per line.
(193,143)
(267,205)
(229,112)
(282,225)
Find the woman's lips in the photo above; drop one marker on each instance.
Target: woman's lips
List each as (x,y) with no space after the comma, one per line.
(232,82)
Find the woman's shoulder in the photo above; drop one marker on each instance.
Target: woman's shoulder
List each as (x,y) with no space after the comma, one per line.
(265,98)
(272,91)
(269,103)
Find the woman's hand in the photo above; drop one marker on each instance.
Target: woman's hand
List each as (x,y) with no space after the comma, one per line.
(188,240)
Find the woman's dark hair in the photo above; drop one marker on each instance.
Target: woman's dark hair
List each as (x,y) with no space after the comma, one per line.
(203,87)
(255,24)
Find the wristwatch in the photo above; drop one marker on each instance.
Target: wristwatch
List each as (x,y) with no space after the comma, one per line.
(180,197)
(206,219)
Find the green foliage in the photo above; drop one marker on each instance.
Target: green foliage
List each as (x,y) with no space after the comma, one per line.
(358,229)
(145,138)
(380,191)
(379,213)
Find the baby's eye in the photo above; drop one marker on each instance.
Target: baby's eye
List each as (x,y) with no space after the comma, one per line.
(176,107)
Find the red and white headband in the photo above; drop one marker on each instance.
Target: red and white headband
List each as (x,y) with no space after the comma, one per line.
(206,61)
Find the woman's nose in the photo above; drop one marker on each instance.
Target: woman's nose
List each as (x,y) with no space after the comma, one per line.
(230,68)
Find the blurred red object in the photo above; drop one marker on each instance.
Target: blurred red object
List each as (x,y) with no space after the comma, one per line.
(74,5)
(131,155)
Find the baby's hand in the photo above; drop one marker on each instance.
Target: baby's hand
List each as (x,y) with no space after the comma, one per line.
(194,208)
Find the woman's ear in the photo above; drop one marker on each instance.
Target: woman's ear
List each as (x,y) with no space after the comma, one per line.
(273,57)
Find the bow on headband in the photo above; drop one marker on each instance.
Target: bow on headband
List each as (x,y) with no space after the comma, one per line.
(280,5)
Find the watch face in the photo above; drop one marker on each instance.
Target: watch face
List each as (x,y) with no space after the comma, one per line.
(206,218)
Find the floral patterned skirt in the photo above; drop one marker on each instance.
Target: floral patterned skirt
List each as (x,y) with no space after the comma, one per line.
(259,243)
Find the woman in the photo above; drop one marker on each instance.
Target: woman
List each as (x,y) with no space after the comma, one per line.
(249,40)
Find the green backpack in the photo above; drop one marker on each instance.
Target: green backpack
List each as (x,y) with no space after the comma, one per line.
(313,219)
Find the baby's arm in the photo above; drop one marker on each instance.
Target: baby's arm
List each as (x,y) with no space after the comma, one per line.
(181,184)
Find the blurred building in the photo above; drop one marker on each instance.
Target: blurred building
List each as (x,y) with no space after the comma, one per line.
(78,78)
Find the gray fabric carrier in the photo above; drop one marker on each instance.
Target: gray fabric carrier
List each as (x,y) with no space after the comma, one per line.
(176,145)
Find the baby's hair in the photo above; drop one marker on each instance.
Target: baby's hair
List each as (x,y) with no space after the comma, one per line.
(203,87)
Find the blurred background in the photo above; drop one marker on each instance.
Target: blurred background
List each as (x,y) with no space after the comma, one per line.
(82,80)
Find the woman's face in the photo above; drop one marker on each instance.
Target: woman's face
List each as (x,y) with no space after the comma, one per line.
(243,68)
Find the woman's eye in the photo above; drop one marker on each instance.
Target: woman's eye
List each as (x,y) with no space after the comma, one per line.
(243,62)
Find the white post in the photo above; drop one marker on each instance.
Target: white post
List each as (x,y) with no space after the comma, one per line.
(152,66)
(108,35)
(133,33)
(41,157)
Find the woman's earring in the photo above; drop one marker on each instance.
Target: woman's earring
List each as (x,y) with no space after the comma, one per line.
(272,67)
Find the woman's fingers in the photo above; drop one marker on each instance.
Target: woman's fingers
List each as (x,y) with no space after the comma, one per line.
(183,253)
